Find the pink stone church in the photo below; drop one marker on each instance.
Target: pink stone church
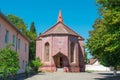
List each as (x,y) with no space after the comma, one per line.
(61,47)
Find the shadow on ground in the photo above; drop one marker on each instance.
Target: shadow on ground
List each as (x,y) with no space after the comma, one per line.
(108,76)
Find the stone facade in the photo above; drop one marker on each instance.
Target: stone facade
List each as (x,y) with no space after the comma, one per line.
(66,48)
(7,26)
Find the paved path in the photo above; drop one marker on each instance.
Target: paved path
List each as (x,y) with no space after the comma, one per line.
(74,76)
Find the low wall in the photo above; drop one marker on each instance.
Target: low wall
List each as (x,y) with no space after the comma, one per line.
(97,68)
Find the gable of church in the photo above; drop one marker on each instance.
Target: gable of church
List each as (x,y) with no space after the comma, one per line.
(60,28)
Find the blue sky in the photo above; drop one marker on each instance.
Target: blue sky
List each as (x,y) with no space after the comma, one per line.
(79,15)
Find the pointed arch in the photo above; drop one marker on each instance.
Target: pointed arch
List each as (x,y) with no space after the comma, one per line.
(47,51)
(72,46)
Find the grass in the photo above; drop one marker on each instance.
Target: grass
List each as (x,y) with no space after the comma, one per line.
(90,71)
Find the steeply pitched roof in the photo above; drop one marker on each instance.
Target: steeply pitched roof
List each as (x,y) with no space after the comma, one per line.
(60,28)
(92,61)
(6,19)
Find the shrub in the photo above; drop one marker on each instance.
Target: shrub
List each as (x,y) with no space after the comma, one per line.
(27,70)
(35,64)
(9,62)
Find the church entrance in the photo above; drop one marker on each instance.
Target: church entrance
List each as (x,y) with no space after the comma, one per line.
(59,60)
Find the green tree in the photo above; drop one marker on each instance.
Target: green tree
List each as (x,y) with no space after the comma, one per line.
(86,57)
(17,21)
(35,64)
(32,28)
(32,47)
(104,41)
(9,62)
(31,34)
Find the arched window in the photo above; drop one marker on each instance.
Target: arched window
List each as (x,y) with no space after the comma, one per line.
(72,52)
(47,52)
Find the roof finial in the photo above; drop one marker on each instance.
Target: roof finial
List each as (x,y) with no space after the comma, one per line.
(60,17)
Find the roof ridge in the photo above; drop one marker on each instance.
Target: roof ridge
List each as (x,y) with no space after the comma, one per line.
(66,28)
(50,28)
(70,29)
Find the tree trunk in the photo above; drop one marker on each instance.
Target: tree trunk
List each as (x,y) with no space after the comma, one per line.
(115,71)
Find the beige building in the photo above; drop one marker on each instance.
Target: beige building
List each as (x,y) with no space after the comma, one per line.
(9,33)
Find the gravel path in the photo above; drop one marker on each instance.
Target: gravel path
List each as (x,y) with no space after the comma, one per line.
(74,76)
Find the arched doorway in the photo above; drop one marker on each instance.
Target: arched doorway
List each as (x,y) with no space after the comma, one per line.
(59,61)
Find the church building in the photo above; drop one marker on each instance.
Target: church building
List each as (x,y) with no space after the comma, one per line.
(61,48)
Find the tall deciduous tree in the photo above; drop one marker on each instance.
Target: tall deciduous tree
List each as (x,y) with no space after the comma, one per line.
(104,41)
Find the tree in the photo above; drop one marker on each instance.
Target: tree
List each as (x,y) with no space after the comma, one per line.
(9,62)
(86,57)
(32,28)
(35,64)
(104,41)
(17,21)
(31,34)
(32,47)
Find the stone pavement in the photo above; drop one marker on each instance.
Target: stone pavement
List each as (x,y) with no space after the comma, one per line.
(74,76)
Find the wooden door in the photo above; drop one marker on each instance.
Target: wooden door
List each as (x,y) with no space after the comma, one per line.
(58,62)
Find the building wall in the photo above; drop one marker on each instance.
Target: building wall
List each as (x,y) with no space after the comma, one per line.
(74,65)
(23,55)
(39,49)
(97,67)
(60,43)
(57,44)
(81,54)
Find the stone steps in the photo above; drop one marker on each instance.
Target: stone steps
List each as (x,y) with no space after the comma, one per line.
(60,70)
